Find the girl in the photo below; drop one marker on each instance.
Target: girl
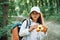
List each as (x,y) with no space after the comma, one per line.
(36,19)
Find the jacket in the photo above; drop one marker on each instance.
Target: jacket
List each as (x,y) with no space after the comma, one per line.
(33,35)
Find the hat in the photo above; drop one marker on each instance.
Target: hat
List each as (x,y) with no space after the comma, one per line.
(35,8)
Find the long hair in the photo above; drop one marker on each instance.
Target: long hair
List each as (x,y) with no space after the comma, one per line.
(40,20)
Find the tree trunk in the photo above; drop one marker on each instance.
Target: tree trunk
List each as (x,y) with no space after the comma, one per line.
(5,16)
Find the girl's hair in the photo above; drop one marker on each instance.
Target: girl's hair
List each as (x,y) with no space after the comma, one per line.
(39,20)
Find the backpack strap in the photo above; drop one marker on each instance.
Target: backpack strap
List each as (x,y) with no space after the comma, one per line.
(28,23)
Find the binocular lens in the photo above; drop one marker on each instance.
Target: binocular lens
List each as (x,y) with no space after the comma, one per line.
(39,27)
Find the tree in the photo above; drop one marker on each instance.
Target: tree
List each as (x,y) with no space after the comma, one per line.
(4,17)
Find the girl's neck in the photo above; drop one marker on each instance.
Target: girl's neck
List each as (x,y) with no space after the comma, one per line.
(34,20)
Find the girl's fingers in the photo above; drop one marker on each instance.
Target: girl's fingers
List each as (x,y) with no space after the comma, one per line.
(35,26)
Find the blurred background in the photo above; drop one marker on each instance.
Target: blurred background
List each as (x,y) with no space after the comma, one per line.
(13,11)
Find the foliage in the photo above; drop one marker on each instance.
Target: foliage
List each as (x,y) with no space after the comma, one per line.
(50,9)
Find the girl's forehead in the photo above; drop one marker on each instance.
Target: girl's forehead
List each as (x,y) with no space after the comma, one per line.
(34,12)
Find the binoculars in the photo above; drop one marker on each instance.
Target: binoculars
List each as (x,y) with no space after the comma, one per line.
(41,28)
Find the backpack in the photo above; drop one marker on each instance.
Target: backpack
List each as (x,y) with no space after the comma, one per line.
(17,29)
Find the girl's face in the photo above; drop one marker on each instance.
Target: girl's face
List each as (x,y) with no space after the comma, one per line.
(35,15)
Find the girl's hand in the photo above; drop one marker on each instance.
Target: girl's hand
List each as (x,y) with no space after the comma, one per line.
(44,29)
(33,27)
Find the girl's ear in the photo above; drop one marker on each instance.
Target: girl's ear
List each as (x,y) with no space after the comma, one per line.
(42,18)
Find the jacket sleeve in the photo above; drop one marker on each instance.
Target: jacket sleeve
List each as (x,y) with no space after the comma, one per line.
(24,31)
